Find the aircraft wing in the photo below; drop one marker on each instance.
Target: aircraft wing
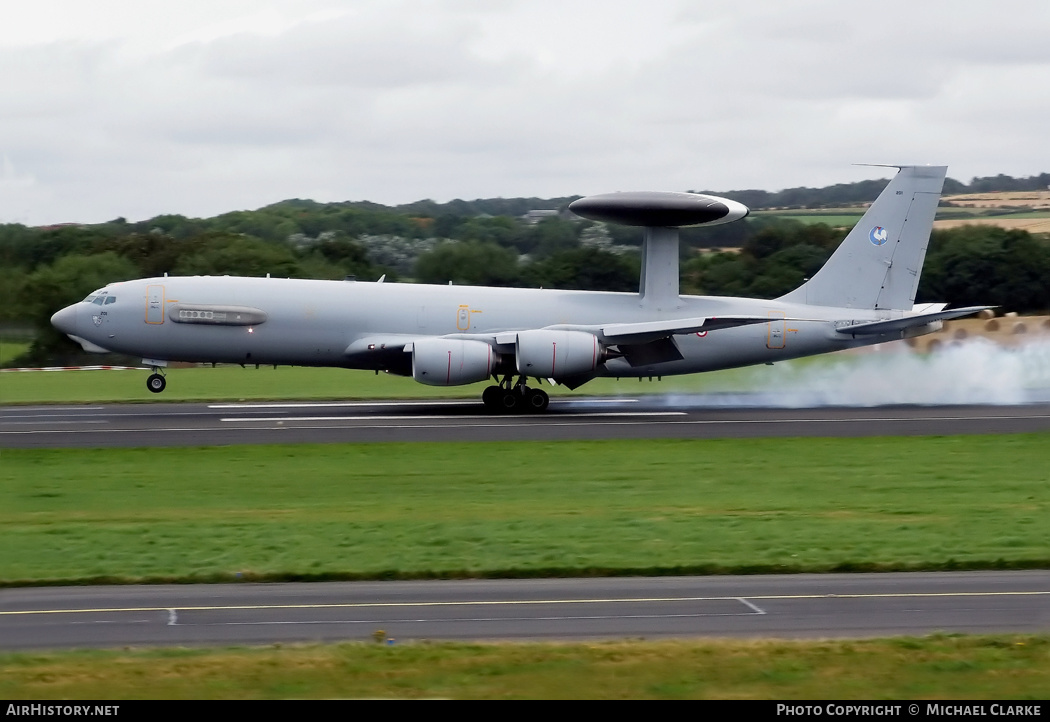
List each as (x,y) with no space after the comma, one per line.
(646,331)
(652,342)
(609,334)
(630,333)
(899,324)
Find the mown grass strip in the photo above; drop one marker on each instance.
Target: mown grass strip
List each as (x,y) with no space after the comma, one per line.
(938,667)
(425,510)
(232,383)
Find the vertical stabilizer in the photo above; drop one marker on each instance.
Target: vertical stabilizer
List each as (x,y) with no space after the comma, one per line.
(878,265)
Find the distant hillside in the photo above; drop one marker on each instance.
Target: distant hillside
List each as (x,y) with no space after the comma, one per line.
(849,194)
(836,196)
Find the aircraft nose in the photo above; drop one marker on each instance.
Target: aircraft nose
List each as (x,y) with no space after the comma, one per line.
(66,320)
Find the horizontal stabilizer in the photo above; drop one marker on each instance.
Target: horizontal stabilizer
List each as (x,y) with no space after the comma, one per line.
(899,324)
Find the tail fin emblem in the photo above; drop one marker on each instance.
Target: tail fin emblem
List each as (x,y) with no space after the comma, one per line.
(878,235)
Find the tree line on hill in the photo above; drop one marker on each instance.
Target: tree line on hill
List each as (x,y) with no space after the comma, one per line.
(851,194)
(43,269)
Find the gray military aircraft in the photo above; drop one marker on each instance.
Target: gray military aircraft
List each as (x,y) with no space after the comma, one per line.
(452,335)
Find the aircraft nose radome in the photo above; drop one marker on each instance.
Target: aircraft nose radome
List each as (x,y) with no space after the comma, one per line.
(66,320)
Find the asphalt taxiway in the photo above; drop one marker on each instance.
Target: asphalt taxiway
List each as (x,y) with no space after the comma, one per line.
(786,606)
(196,424)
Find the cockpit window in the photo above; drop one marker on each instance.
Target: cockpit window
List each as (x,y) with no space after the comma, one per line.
(111,299)
(99,300)
(89,299)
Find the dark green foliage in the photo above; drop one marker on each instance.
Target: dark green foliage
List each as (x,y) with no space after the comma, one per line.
(514,207)
(730,235)
(66,281)
(837,195)
(773,261)
(554,235)
(16,243)
(500,230)
(991,184)
(469,263)
(586,269)
(218,253)
(340,256)
(845,194)
(172,225)
(154,254)
(977,265)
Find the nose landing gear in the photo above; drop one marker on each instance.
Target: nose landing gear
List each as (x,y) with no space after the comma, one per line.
(156,383)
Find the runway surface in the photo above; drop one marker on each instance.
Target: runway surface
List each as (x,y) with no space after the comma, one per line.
(791,606)
(760,606)
(697,417)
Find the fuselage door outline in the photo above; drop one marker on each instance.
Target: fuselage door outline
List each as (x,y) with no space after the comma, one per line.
(155,304)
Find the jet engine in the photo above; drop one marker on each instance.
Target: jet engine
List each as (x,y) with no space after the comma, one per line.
(557,354)
(451,362)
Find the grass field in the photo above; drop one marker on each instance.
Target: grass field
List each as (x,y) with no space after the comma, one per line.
(11,349)
(833,220)
(938,667)
(1033,221)
(232,383)
(528,508)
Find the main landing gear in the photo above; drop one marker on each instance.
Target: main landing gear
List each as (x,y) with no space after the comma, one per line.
(515,398)
(156,383)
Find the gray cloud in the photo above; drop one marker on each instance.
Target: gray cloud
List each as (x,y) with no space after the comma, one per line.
(234,105)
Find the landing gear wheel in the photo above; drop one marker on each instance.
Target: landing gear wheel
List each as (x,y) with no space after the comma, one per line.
(492,397)
(536,400)
(156,383)
(510,401)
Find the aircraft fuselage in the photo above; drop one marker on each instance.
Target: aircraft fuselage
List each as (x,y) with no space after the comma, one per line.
(315,323)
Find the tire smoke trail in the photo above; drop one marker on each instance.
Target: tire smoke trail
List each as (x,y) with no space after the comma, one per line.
(972,372)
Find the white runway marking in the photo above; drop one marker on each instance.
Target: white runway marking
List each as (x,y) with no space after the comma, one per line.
(572,618)
(271,419)
(530,602)
(487,422)
(5,422)
(753,606)
(358,404)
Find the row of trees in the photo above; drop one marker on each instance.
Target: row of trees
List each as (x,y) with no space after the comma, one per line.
(965,266)
(483,220)
(42,269)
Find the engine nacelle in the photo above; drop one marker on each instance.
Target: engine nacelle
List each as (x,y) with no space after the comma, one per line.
(451,362)
(557,354)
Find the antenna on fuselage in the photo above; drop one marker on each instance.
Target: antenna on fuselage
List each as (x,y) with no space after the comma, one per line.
(661,214)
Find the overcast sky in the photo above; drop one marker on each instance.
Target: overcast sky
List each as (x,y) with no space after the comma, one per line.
(139,107)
